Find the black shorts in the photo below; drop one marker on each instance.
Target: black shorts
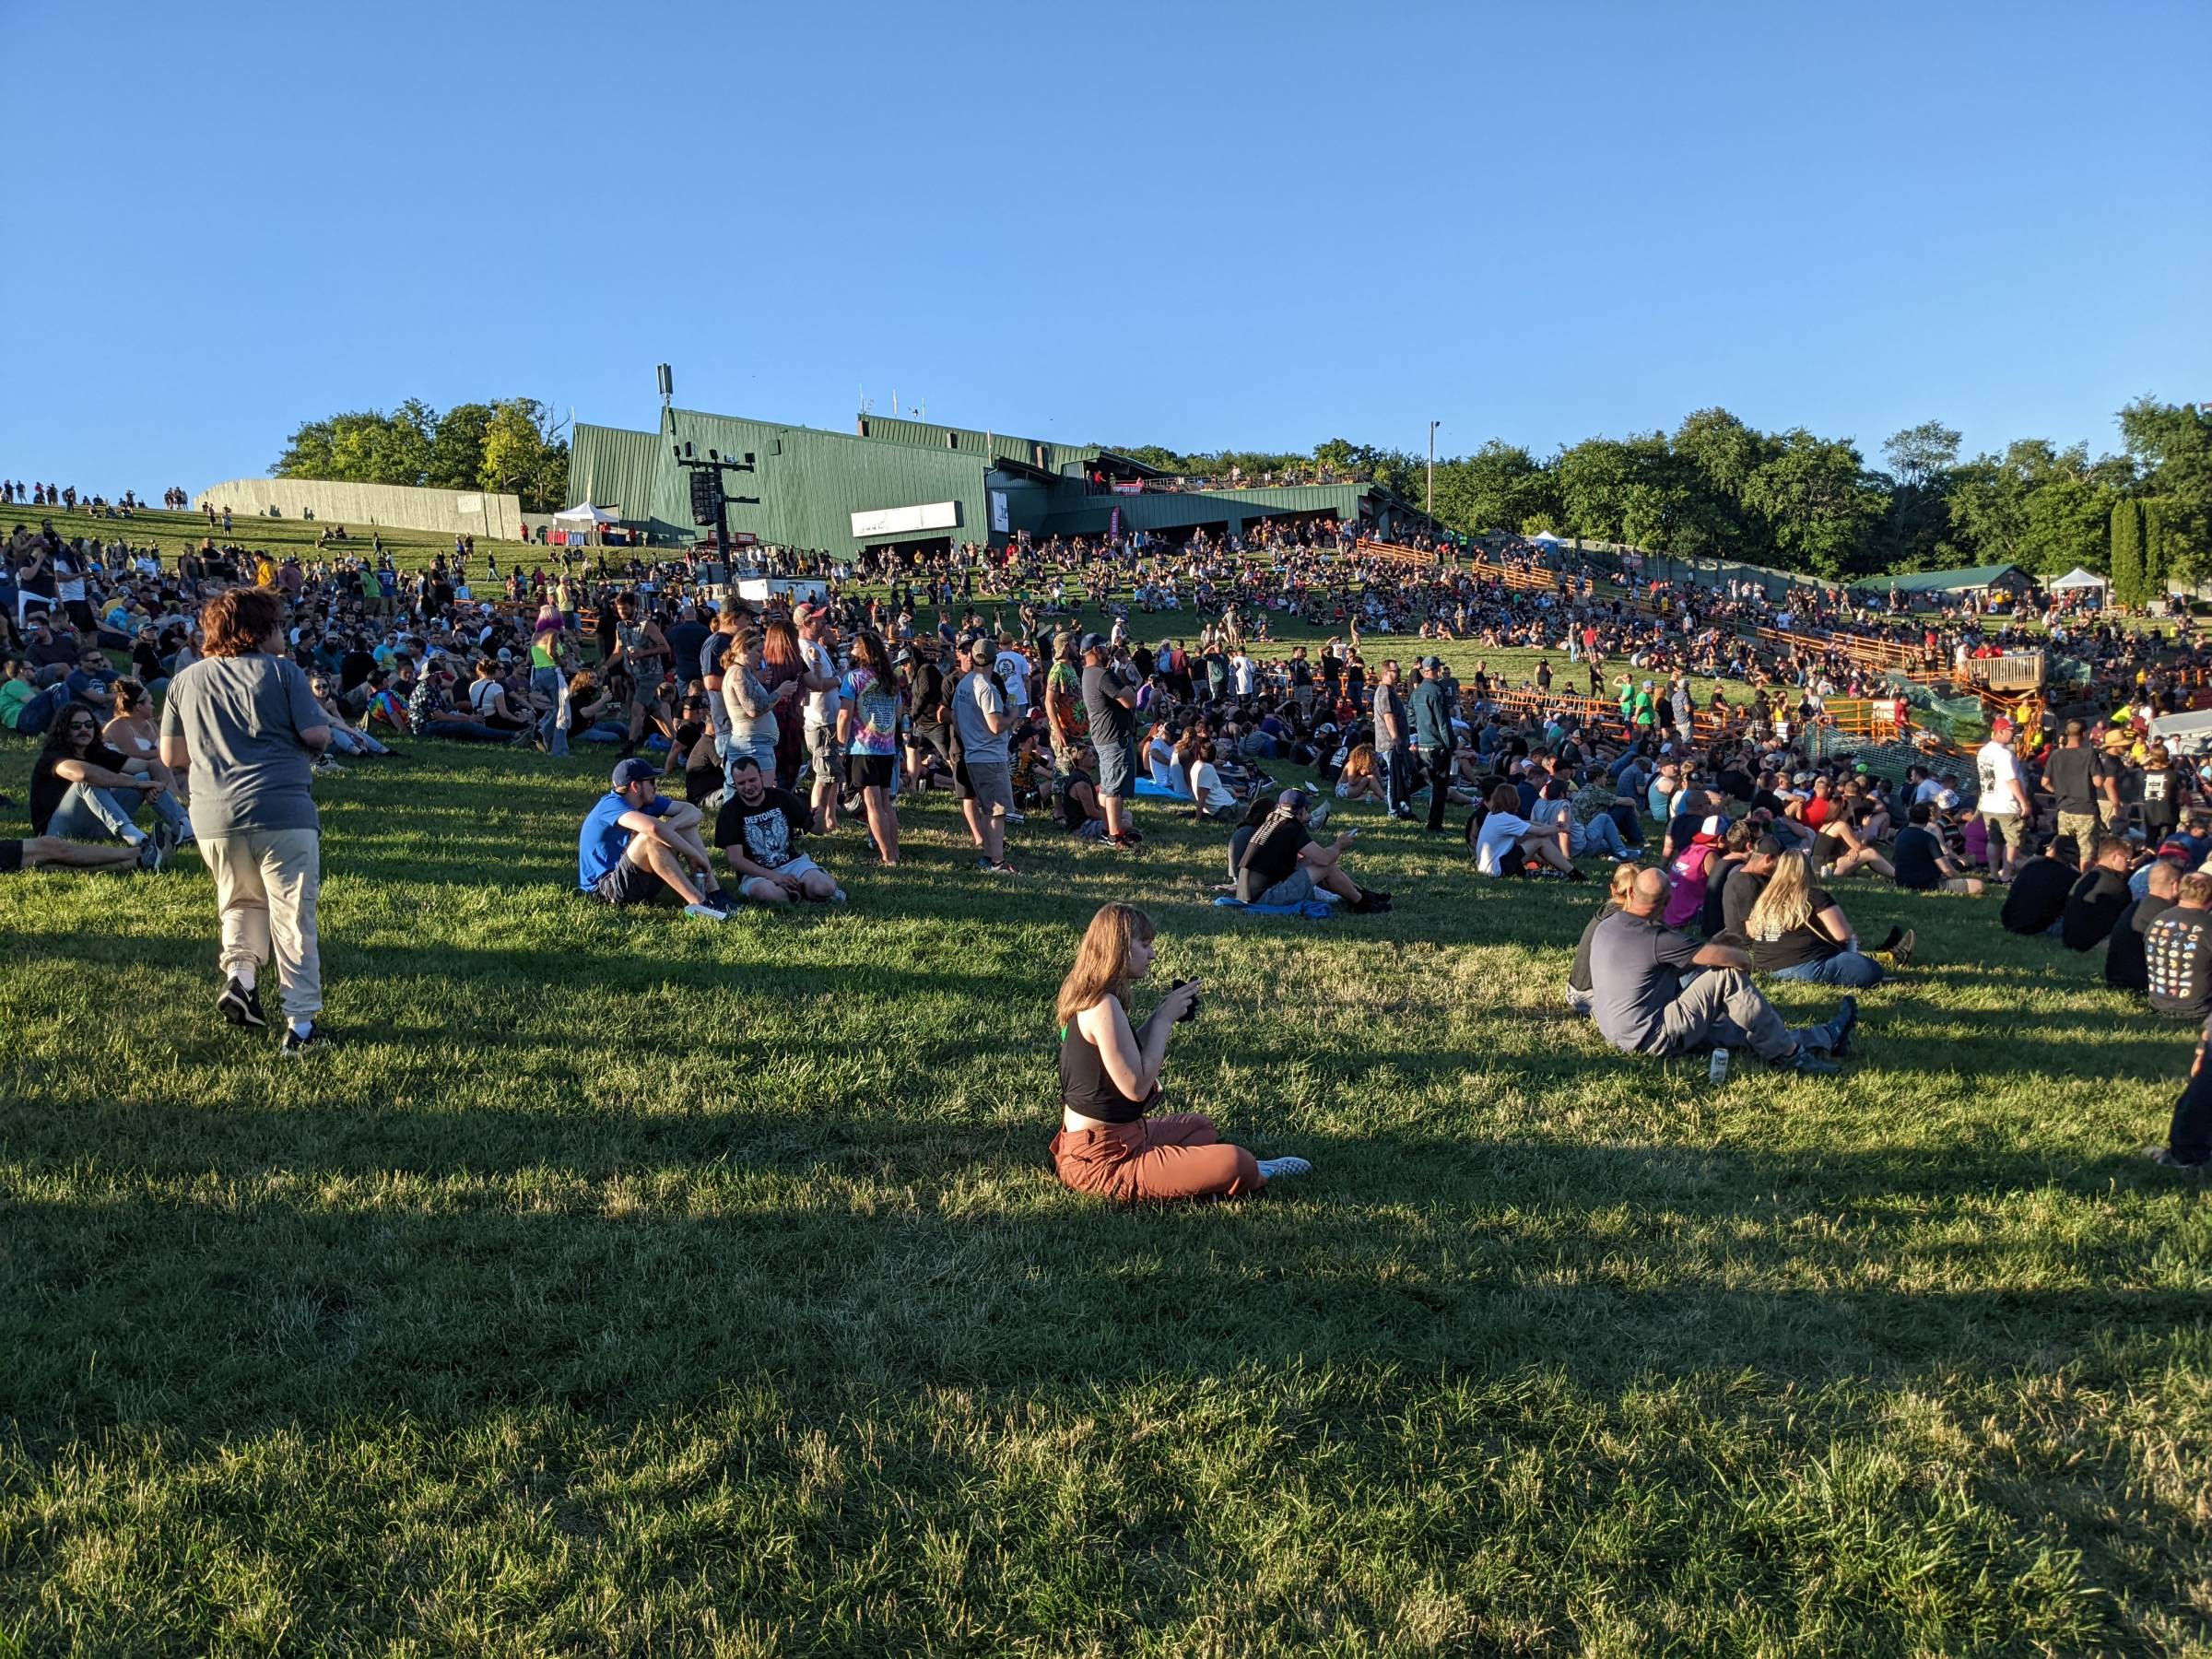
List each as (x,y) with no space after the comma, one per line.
(629,883)
(11,857)
(867,771)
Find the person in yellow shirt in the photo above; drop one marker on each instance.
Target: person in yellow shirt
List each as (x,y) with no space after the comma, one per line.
(265,571)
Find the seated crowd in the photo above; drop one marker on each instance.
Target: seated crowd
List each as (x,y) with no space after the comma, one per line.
(745,730)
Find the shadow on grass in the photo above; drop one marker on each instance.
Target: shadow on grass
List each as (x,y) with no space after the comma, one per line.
(436,1261)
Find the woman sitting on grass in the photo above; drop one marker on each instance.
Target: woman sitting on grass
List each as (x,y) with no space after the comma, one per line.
(1843,847)
(1109,1079)
(1798,932)
(1359,779)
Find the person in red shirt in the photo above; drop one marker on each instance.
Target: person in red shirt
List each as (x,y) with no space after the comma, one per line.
(1822,807)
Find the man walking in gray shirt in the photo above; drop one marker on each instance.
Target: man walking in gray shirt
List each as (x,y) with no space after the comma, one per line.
(245,724)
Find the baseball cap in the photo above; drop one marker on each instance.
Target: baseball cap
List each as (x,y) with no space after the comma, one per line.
(1291,800)
(1092,641)
(2001,726)
(1716,826)
(634,770)
(903,655)
(1434,664)
(976,644)
(506,655)
(1768,846)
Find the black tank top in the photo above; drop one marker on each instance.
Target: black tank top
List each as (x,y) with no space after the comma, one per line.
(1085,1087)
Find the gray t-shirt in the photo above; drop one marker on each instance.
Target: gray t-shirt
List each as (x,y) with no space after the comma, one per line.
(973,698)
(1636,969)
(241,717)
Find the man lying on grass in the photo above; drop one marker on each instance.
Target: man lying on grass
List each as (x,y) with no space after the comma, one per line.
(1109,1079)
(639,846)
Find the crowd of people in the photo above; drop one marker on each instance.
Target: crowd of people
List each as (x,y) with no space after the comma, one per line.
(745,731)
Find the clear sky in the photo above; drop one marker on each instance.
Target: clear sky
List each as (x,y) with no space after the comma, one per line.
(1200,225)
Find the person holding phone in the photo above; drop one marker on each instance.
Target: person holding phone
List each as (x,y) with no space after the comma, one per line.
(1110,1080)
(1283,863)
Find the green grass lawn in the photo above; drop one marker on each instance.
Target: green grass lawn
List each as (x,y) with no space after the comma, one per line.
(630,1284)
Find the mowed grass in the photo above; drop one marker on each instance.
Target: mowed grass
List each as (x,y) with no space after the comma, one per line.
(630,1284)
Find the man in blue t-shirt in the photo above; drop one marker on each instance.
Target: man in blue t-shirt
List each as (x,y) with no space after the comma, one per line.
(639,847)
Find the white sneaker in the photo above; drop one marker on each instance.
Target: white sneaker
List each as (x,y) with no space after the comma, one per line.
(706,912)
(1273,1168)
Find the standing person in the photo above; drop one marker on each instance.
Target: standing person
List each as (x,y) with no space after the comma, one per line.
(2071,774)
(1432,735)
(550,682)
(1392,742)
(1109,698)
(817,647)
(984,780)
(2007,811)
(867,724)
(244,725)
(2114,776)
(1110,1072)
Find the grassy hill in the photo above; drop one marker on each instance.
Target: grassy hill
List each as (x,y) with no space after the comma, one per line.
(632,1284)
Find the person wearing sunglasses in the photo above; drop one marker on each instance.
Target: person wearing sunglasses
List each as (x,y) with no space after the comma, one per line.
(79,791)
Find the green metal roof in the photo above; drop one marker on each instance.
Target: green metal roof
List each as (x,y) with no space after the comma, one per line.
(922,434)
(1944,581)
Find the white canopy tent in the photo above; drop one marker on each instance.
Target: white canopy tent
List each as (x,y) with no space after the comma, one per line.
(2075,578)
(585,518)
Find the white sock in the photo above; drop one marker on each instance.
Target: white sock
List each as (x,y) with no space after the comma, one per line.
(300,1027)
(247,976)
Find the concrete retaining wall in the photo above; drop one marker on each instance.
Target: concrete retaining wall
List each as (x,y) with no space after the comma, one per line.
(357,506)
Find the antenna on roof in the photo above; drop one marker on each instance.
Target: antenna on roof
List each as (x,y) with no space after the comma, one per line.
(894,403)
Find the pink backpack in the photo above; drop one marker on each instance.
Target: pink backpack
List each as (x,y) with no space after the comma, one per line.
(1688,895)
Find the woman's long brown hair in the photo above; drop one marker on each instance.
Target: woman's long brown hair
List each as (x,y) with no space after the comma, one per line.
(1102,961)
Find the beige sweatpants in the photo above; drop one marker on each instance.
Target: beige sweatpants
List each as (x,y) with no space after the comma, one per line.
(266,884)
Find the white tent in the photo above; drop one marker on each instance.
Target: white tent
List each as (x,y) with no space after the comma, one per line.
(586,519)
(2075,578)
(1543,536)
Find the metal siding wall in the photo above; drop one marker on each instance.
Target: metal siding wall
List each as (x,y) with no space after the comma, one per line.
(810,491)
(612,467)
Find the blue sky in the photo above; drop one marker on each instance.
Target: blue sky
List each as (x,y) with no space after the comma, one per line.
(1201,226)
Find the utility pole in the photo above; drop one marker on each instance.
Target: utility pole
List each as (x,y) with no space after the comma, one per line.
(1433,426)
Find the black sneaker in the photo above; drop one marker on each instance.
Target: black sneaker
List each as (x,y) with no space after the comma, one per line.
(294,1046)
(240,1006)
(2164,1159)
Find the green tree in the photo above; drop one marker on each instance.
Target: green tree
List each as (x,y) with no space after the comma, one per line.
(1719,454)
(457,447)
(1495,489)
(2128,553)
(2171,446)
(524,452)
(1820,504)
(365,446)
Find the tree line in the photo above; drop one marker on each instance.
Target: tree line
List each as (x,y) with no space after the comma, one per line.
(511,445)
(1718,488)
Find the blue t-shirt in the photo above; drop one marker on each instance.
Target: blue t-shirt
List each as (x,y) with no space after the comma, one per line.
(602,842)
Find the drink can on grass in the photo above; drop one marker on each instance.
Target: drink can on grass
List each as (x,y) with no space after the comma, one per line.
(1717,1071)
